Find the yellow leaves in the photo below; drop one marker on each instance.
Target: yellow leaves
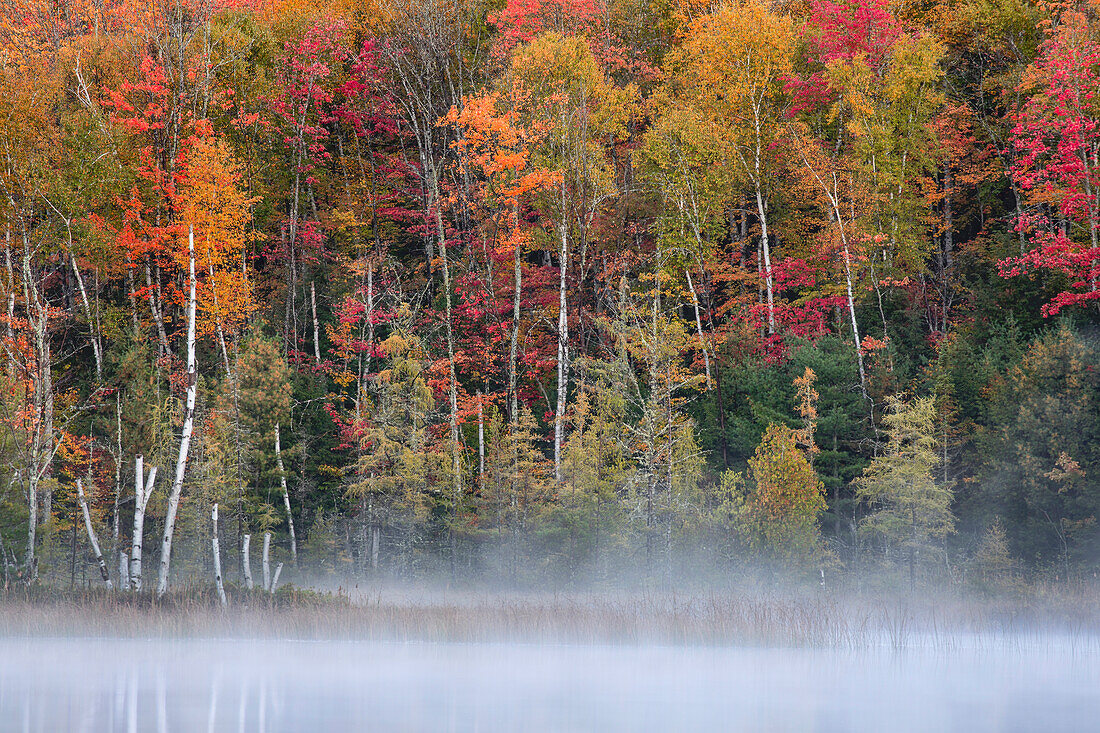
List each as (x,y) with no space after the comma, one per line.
(735,58)
(394,345)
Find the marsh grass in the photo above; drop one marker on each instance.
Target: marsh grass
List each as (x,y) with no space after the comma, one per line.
(726,618)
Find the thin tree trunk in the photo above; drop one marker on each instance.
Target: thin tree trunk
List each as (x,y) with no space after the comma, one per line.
(513,397)
(699,327)
(118,481)
(286,497)
(376,538)
(246,561)
(316,325)
(563,344)
(217,556)
(267,561)
(91,535)
(441,234)
(93,334)
(123,570)
(188,427)
(765,244)
(143,489)
(162,335)
(480,441)
(275,578)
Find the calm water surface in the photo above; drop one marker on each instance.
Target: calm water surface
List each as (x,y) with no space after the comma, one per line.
(56,686)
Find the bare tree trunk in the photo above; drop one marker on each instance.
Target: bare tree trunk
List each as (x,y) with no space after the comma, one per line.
(563,344)
(93,334)
(316,325)
(143,489)
(118,481)
(375,541)
(41,446)
(162,335)
(699,327)
(441,234)
(513,397)
(217,556)
(246,561)
(91,535)
(123,570)
(480,441)
(275,579)
(267,561)
(188,427)
(766,246)
(286,497)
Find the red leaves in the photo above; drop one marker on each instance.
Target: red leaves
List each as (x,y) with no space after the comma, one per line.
(1058,135)
(841,32)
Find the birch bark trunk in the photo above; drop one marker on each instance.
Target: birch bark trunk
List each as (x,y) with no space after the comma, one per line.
(267,561)
(513,397)
(286,498)
(188,426)
(217,557)
(246,561)
(143,488)
(316,325)
(91,535)
(699,327)
(441,235)
(563,343)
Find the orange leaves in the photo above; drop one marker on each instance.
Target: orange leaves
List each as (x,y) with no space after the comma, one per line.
(211,201)
(494,147)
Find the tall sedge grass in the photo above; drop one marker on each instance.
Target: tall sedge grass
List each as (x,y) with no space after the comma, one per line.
(644,618)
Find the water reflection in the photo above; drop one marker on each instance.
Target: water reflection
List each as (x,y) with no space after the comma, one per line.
(52,686)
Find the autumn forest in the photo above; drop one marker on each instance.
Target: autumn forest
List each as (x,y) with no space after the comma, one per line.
(549,291)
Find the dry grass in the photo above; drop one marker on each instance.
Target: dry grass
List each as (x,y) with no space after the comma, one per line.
(718,618)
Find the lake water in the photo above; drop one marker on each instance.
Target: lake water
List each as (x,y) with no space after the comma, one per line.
(57,686)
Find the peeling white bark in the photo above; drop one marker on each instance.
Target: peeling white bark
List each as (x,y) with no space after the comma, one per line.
(217,557)
(267,561)
(91,535)
(246,561)
(286,497)
(188,427)
(143,488)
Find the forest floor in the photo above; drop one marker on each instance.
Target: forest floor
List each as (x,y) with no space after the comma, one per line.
(808,619)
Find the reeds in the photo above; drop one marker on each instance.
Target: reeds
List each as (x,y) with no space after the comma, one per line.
(645,618)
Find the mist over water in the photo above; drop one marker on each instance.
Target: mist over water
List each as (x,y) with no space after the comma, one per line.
(1006,684)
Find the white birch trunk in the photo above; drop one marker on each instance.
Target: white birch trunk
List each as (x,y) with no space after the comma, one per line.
(480,441)
(275,580)
(316,325)
(143,488)
(217,557)
(188,427)
(123,570)
(246,561)
(513,347)
(563,346)
(267,561)
(286,497)
(766,246)
(699,327)
(91,535)
(441,235)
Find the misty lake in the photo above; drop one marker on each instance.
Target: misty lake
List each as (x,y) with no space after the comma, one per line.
(59,685)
